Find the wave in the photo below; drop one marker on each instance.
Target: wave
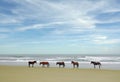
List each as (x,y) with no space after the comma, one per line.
(83,59)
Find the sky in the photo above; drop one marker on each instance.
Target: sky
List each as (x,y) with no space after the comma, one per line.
(60,27)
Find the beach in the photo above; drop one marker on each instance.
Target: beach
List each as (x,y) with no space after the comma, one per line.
(108,62)
(55,74)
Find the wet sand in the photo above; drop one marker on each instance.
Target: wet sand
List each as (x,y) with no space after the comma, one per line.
(39,74)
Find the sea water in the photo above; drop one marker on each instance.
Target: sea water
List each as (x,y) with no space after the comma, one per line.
(107,61)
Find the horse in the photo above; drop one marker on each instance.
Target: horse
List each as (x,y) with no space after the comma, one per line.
(60,63)
(96,63)
(75,64)
(31,62)
(44,63)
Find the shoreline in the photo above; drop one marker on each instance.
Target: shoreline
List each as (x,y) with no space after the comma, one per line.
(55,74)
(68,65)
(37,67)
(108,62)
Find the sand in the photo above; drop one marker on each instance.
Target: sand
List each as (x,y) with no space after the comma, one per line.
(39,74)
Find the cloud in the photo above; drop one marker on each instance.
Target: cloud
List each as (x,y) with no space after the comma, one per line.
(73,17)
(2,36)
(76,10)
(100,39)
(111,41)
(35,26)
(108,13)
(71,14)
(75,13)
(51,11)
(7,19)
(38,26)
(106,30)
(4,30)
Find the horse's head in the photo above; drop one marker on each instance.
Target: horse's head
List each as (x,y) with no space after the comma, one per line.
(35,61)
(40,63)
(72,62)
(92,62)
(57,63)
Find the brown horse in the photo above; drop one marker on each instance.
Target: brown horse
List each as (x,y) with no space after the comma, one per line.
(96,63)
(60,63)
(31,63)
(44,63)
(75,64)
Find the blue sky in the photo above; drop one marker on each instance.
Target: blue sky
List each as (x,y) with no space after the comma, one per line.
(59,27)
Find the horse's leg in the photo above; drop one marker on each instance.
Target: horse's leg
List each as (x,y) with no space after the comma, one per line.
(94,66)
(63,66)
(73,66)
(32,65)
(77,65)
(47,65)
(29,64)
(99,66)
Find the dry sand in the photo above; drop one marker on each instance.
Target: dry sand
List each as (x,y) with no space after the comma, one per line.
(39,74)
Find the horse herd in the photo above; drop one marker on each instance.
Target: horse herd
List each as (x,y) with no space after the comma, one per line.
(62,64)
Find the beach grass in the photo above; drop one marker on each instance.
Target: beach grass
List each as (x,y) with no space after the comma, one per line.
(39,74)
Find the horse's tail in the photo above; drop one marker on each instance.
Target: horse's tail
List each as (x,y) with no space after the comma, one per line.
(40,63)
(28,64)
(78,65)
(63,64)
(48,64)
(100,65)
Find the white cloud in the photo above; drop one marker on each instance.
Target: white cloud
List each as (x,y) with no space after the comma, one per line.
(46,10)
(77,13)
(77,16)
(100,39)
(111,19)
(4,30)
(103,30)
(59,32)
(38,26)
(2,36)
(6,19)
(72,13)
(111,41)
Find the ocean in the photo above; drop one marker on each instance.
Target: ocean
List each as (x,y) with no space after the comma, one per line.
(108,62)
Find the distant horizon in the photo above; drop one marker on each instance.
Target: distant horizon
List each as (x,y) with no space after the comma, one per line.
(60,26)
(59,54)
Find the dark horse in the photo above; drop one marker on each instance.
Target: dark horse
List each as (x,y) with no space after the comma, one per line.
(96,63)
(75,64)
(60,63)
(31,63)
(44,63)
